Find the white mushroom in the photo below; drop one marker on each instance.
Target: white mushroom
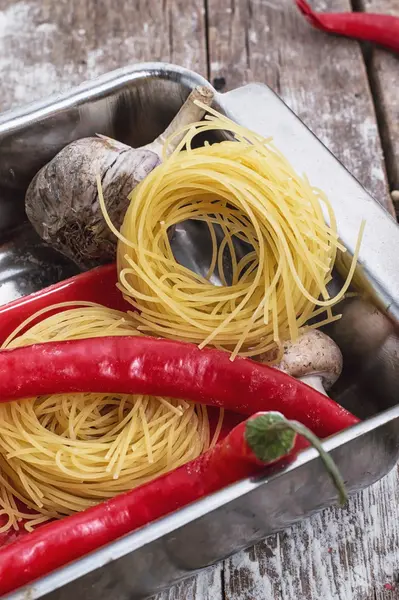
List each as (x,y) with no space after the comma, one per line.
(314,358)
(395,196)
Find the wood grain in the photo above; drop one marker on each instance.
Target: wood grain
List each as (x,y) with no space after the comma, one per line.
(346,554)
(384,75)
(47,47)
(322,78)
(207,585)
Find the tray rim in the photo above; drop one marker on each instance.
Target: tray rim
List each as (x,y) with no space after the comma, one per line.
(26,114)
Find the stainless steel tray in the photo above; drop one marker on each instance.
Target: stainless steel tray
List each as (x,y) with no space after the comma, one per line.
(134,105)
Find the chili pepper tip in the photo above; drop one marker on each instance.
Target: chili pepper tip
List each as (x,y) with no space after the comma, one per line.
(308,12)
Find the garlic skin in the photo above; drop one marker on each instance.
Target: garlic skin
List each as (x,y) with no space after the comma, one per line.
(62,199)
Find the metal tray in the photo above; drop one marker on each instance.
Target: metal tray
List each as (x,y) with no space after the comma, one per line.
(134,105)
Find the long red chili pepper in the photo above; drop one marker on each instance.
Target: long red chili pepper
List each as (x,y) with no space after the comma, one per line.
(159,367)
(264,439)
(377,28)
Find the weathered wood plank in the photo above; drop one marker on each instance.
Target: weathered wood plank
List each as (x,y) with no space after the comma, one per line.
(47,46)
(384,73)
(207,585)
(346,554)
(323,79)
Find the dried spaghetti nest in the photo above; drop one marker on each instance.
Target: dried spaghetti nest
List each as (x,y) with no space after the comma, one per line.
(249,190)
(63,453)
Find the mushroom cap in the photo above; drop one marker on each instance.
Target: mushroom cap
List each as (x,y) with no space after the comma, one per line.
(313,353)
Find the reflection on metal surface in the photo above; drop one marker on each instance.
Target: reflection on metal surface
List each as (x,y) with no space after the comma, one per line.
(134,105)
(27,265)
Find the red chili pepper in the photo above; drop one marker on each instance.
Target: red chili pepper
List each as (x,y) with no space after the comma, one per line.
(264,439)
(96,285)
(377,28)
(159,367)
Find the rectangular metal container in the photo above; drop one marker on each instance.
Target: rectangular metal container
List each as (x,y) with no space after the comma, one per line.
(134,105)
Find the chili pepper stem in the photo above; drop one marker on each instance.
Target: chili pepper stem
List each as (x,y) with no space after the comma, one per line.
(271,436)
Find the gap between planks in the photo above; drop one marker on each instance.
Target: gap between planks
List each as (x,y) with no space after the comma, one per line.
(383,70)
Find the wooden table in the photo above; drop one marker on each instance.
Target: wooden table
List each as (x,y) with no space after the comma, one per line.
(348,96)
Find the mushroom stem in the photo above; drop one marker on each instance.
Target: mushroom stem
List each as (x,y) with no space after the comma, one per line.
(189,113)
(314,381)
(395,195)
